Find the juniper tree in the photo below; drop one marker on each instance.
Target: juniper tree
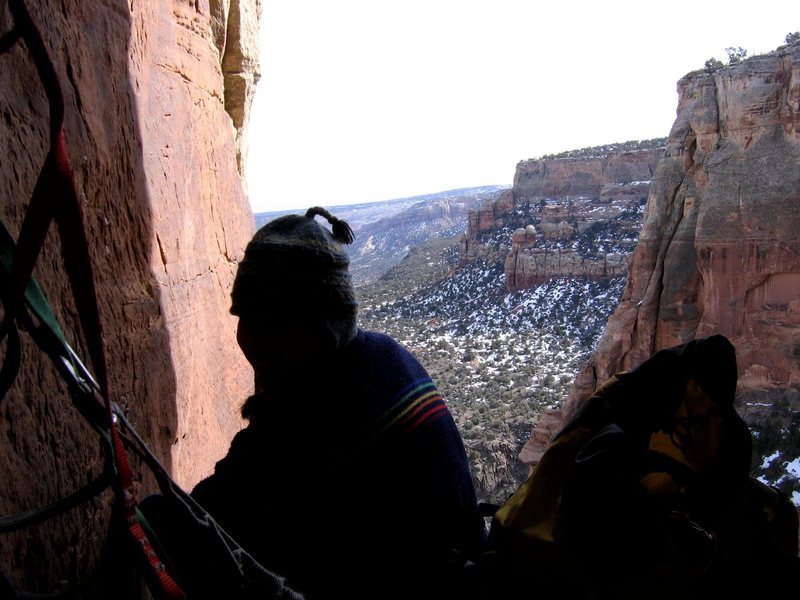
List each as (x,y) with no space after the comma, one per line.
(736,55)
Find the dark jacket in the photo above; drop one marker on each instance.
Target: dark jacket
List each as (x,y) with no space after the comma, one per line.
(352,482)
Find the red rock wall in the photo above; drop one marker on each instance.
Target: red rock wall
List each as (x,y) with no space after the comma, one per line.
(491,215)
(719,250)
(535,266)
(615,174)
(561,177)
(720,247)
(526,265)
(155,159)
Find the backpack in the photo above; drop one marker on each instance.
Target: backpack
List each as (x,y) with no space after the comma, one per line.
(645,492)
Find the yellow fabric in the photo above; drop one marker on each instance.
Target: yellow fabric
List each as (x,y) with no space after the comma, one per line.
(531,511)
(711,509)
(526,523)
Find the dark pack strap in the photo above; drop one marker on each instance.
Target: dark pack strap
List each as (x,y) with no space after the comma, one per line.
(34,296)
(47,334)
(54,198)
(11,362)
(37,318)
(38,515)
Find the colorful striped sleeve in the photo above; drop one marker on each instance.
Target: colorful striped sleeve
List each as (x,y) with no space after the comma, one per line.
(417,404)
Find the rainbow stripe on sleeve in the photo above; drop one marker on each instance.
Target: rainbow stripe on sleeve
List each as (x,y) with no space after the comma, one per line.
(417,404)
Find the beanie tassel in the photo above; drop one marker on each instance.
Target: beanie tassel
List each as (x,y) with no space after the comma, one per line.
(341,230)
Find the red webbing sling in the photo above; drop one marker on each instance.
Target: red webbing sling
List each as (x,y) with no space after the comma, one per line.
(54,198)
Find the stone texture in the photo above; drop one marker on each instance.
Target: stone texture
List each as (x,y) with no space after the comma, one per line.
(155,158)
(489,217)
(234,25)
(548,424)
(494,468)
(531,257)
(527,267)
(561,177)
(720,247)
(528,263)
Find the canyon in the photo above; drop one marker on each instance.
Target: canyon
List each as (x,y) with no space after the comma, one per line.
(534,229)
(700,229)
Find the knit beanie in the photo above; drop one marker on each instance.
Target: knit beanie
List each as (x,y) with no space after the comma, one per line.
(294,265)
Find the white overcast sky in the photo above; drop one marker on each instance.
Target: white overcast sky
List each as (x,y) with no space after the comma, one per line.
(367,100)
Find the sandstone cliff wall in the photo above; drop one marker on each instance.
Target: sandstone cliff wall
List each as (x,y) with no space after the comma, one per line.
(492,215)
(564,197)
(719,250)
(560,177)
(156,100)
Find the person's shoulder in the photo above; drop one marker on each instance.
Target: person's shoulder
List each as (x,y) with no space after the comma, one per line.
(375,345)
(396,385)
(376,338)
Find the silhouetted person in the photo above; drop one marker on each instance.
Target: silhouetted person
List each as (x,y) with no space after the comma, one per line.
(350,479)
